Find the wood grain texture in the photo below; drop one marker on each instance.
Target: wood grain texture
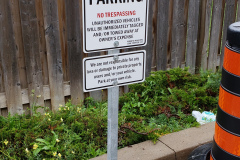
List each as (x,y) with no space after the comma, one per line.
(9,61)
(229,18)
(54,53)
(150,39)
(26,99)
(216,32)
(192,34)
(1,50)
(17,29)
(42,41)
(201,37)
(206,26)
(162,34)
(75,53)
(31,51)
(63,38)
(178,33)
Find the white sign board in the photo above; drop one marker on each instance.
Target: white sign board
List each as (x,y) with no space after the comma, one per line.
(114,24)
(103,72)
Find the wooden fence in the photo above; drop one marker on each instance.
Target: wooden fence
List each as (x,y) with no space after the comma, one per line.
(41,46)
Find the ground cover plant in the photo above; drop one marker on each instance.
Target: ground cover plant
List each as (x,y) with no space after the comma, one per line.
(160,105)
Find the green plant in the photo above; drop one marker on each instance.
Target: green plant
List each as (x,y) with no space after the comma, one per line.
(44,145)
(160,105)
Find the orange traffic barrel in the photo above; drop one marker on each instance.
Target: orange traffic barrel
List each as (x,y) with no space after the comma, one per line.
(226,143)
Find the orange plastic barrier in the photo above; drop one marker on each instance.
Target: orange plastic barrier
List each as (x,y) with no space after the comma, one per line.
(229,102)
(226,144)
(231,61)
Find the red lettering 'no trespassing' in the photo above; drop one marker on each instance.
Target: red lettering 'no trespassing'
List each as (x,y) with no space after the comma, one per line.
(116,14)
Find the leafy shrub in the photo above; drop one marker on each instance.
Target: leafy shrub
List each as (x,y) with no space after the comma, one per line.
(160,105)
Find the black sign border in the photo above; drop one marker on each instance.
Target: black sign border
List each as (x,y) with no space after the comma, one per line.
(119,84)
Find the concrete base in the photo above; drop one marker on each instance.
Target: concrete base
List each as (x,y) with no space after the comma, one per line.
(174,146)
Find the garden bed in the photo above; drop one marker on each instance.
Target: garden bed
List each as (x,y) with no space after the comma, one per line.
(160,105)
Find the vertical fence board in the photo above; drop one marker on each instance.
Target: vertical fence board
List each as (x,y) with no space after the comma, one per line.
(238,11)
(31,51)
(17,29)
(229,17)
(9,61)
(42,42)
(54,56)
(201,34)
(1,49)
(170,24)
(73,16)
(216,32)
(63,38)
(1,71)
(178,33)
(150,39)
(204,54)
(192,34)
(162,34)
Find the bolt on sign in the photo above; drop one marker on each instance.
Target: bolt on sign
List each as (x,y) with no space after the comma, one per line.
(113,70)
(114,24)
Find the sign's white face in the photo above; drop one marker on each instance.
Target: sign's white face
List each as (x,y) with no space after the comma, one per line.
(114,24)
(108,71)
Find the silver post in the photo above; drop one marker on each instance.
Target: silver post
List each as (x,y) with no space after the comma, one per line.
(112,135)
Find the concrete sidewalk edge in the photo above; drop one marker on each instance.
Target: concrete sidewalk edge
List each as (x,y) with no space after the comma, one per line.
(174,146)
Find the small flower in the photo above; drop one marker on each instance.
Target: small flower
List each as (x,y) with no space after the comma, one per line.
(49,119)
(78,109)
(208,76)
(57,140)
(60,105)
(67,108)
(27,151)
(39,96)
(5,142)
(35,146)
(73,152)
(59,155)
(59,108)
(61,120)
(54,154)
(43,159)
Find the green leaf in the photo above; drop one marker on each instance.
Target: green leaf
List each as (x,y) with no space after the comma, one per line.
(43,141)
(47,147)
(36,151)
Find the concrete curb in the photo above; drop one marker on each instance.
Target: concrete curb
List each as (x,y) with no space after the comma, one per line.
(174,146)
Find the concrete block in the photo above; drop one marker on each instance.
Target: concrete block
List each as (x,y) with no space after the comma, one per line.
(184,142)
(143,151)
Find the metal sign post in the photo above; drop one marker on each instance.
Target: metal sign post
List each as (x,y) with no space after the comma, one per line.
(111,26)
(112,135)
